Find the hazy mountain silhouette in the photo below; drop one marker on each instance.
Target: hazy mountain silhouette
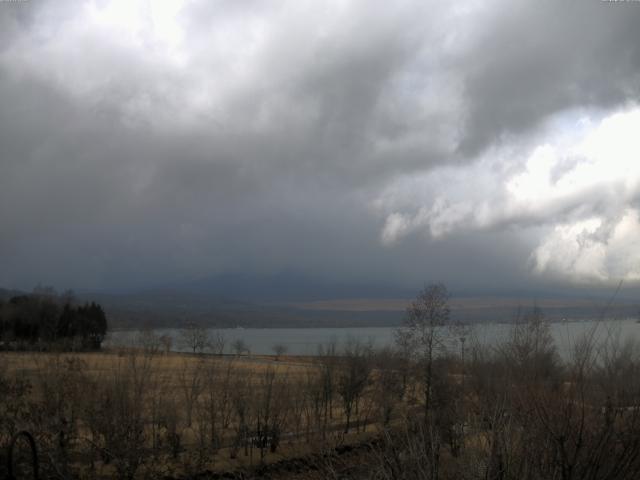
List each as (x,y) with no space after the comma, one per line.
(282,287)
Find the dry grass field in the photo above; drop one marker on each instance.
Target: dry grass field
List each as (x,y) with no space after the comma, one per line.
(136,414)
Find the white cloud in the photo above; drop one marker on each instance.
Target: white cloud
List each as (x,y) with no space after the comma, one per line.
(396,226)
(581,184)
(582,253)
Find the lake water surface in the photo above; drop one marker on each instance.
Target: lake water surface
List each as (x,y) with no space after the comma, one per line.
(305,341)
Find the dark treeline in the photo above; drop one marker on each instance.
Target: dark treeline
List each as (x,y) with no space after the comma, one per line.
(44,319)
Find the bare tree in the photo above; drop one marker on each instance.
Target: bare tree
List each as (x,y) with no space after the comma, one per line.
(190,378)
(217,402)
(531,351)
(194,338)
(148,341)
(239,346)
(327,355)
(218,342)
(353,377)
(388,386)
(422,330)
(167,342)
(243,414)
(279,349)
(115,414)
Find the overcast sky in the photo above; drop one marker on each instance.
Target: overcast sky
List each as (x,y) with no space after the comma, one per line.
(487,144)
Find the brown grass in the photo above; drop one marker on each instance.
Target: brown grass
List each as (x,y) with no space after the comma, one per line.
(170,372)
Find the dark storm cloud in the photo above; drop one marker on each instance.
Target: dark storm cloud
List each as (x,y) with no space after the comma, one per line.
(539,58)
(139,146)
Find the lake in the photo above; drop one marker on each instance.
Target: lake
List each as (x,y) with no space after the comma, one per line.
(305,341)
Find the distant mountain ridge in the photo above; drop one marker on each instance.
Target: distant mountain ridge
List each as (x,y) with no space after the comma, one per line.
(290,299)
(231,300)
(277,288)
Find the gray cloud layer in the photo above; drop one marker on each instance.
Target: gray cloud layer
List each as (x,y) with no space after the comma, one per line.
(142,144)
